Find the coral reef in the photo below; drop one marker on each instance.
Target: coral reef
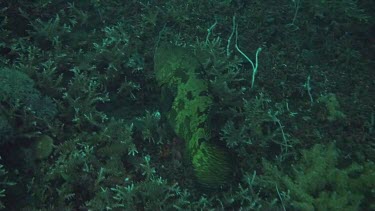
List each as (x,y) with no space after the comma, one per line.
(317,183)
(168,105)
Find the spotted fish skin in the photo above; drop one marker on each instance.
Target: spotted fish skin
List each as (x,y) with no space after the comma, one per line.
(179,73)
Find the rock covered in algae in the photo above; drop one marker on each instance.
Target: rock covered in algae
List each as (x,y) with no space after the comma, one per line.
(179,73)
